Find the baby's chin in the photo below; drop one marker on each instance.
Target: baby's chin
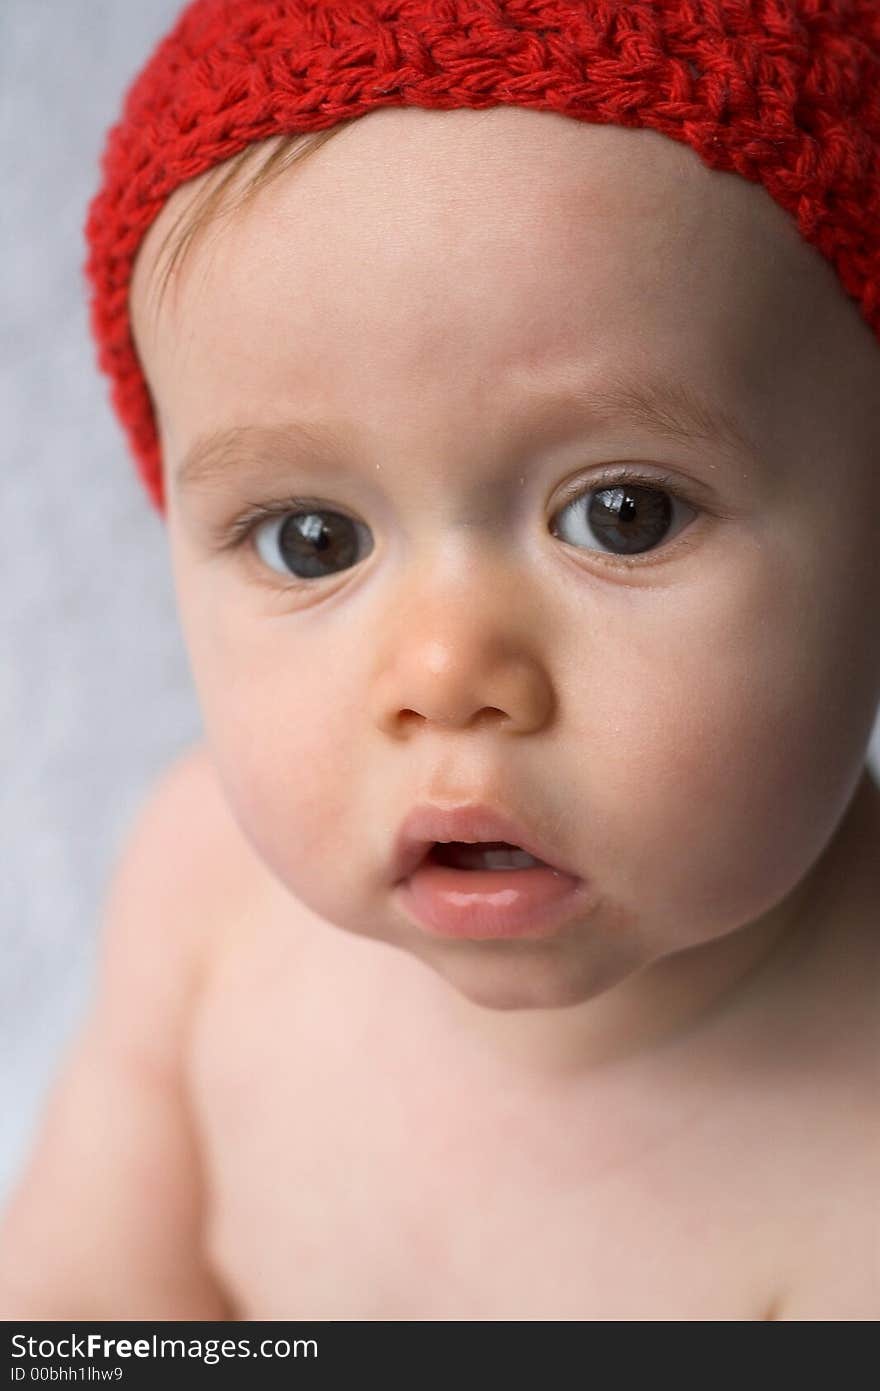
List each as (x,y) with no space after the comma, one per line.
(506,976)
(502,974)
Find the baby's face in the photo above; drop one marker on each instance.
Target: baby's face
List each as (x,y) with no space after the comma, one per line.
(436,304)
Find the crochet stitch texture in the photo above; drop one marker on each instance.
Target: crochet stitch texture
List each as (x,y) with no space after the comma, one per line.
(784,92)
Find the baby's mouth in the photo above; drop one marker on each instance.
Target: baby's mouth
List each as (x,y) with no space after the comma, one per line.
(482,855)
(488,889)
(472,837)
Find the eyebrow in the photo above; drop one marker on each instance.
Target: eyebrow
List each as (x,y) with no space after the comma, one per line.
(208,461)
(666,408)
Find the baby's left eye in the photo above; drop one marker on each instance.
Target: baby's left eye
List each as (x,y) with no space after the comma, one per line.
(629,518)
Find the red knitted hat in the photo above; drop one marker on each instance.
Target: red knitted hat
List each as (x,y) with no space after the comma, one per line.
(783,92)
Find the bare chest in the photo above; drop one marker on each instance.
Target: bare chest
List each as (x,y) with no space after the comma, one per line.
(362,1164)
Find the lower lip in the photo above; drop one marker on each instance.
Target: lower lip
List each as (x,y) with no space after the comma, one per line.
(492,903)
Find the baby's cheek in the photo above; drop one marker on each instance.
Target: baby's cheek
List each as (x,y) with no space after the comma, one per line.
(287,756)
(737,742)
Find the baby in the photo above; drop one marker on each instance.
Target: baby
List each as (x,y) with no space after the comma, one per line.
(521,476)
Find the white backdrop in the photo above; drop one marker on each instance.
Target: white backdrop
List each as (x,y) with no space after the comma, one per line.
(95,697)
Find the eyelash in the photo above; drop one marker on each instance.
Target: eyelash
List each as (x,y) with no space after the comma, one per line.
(238,531)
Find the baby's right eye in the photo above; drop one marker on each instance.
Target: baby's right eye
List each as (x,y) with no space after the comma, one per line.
(309,544)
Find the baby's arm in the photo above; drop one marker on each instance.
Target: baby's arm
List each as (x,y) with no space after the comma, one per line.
(107,1219)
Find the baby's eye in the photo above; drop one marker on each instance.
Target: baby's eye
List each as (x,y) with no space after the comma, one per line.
(628,517)
(309,544)
(628,514)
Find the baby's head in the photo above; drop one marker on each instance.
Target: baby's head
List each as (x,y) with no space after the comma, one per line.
(523,460)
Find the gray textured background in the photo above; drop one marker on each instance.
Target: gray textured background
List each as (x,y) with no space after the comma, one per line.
(95,697)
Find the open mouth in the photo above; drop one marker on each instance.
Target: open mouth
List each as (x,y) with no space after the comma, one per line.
(482,855)
(487,889)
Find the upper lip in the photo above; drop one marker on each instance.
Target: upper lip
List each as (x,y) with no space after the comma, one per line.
(471,822)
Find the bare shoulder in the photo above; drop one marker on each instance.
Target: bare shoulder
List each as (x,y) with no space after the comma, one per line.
(107,1218)
(830,1058)
(185,821)
(183,872)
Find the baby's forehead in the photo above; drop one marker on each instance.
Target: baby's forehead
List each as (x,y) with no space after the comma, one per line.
(457,246)
(419,191)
